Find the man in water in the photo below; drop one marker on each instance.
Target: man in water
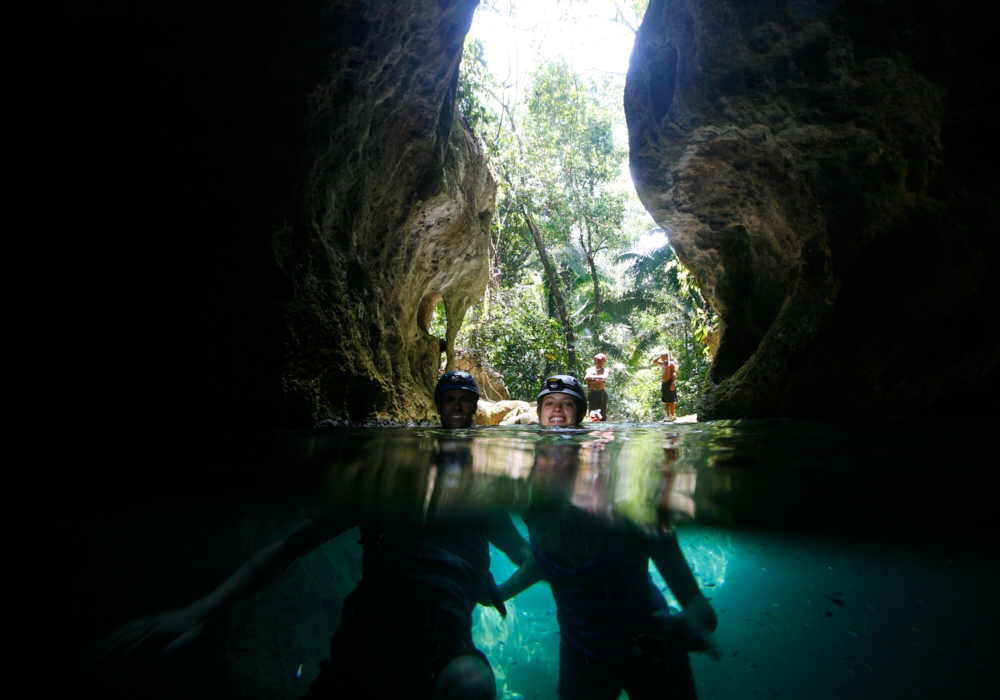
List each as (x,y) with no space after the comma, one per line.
(406,629)
(595,377)
(668,385)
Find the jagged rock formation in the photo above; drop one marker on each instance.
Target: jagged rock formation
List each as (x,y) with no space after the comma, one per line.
(268,200)
(824,170)
(366,291)
(397,208)
(281,190)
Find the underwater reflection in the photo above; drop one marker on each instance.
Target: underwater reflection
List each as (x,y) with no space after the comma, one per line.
(425,500)
(419,478)
(616,629)
(429,505)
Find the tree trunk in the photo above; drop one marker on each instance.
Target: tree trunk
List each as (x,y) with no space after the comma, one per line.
(556,293)
(597,286)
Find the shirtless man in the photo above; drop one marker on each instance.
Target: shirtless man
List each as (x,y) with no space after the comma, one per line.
(668,385)
(595,378)
(407,627)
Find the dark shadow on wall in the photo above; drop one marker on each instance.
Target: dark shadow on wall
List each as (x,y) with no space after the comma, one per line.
(160,312)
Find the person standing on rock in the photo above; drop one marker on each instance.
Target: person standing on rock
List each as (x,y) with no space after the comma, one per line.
(407,626)
(595,377)
(668,385)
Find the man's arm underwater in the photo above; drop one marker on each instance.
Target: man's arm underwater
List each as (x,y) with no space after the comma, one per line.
(147,637)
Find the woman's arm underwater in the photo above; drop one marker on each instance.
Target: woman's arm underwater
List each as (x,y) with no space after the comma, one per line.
(692,628)
(527,576)
(505,537)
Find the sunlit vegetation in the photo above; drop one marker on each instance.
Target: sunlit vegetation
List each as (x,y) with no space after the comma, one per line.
(577,265)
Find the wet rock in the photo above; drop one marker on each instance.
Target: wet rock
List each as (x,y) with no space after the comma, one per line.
(280,189)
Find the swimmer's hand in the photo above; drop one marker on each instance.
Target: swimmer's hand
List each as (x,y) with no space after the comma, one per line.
(142,641)
(677,631)
(489,596)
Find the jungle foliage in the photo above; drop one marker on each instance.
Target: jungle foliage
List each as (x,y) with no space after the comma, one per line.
(577,265)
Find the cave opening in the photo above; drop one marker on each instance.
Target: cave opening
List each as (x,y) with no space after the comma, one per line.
(432,317)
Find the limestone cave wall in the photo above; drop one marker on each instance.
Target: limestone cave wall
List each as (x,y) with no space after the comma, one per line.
(824,169)
(396,209)
(265,198)
(240,218)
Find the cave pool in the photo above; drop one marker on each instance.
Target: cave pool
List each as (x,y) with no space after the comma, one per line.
(844,559)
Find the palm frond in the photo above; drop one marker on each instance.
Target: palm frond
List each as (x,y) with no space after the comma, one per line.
(622,308)
(572,258)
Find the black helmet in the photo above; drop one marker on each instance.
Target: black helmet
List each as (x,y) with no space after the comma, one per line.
(456,379)
(564,384)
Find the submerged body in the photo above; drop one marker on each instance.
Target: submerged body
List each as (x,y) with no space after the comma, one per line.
(410,617)
(413,608)
(616,630)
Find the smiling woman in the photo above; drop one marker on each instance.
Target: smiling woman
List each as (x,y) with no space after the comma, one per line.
(557,410)
(561,402)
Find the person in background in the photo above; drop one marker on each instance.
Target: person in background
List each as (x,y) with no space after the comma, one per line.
(596,377)
(406,629)
(668,385)
(617,632)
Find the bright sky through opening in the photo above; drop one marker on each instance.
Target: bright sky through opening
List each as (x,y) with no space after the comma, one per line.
(584,33)
(589,39)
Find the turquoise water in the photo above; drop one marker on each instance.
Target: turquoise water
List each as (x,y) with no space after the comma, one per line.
(843,560)
(910,622)
(837,557)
